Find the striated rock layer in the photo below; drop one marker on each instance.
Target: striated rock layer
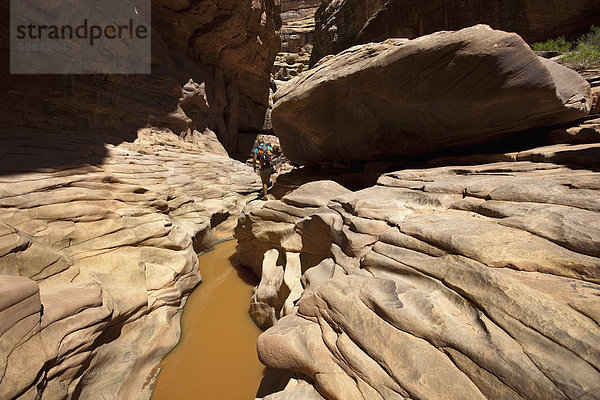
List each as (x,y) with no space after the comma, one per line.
(228,46)
(96,261)
(459,282)
(345,23)
(444,90)
(297,31)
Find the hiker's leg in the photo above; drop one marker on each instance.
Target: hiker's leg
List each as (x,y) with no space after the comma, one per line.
(265,180)
(265,177)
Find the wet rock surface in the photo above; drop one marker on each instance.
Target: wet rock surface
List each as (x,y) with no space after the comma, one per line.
(459,281)
(400,97)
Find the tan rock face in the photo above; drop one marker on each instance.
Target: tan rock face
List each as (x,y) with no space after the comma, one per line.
(298,23)
(439,91)
(458,282)
(297,33)
(586,131)
(337,23)
(96,260)
(280,286)
(342,24)
(595,100)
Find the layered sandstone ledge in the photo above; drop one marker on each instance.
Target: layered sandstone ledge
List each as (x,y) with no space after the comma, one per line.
(478,281)
(97,260)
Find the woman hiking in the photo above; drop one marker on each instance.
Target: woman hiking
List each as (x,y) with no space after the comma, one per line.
(264,155)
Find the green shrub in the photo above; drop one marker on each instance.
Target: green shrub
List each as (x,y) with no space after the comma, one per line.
(591,38)
(559,44)
(585,53)
(584,56)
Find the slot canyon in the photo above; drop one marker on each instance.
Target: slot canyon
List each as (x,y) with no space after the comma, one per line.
(431,228)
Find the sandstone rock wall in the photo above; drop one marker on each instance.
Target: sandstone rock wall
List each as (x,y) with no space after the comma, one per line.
(298,23)
(229,46)
(297,34)
(457,282)
(337,24)
(342,24)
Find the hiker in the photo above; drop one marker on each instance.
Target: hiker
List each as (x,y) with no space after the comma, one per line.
(264,154)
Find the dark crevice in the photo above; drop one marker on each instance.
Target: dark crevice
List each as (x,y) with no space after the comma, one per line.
(218,218)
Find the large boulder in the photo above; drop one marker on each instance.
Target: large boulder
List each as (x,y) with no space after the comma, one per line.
(342,24)
(402,97)
(458,282)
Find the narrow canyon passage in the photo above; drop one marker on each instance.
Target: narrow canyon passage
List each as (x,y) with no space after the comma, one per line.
(216,356)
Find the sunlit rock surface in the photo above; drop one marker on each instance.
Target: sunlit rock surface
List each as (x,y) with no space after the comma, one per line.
(96,260)
(471,282)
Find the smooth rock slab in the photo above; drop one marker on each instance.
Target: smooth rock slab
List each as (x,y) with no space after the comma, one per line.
(478,282)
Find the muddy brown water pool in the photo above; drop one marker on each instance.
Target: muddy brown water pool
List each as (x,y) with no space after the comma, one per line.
(216,356)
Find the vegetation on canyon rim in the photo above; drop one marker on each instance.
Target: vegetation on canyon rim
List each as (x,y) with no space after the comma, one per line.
(581,54)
